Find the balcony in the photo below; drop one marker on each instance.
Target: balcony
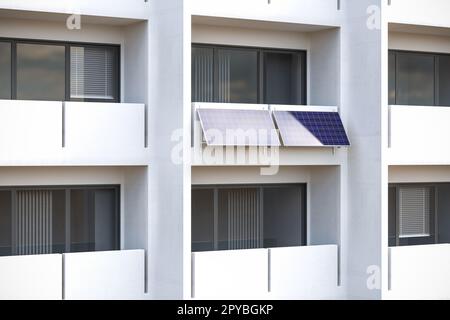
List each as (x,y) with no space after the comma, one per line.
(72,133)
(285,131)
(419,272)
(279,273)
(73,276)
(417,135)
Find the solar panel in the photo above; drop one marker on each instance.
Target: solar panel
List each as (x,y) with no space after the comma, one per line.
(231,127)
(310,128)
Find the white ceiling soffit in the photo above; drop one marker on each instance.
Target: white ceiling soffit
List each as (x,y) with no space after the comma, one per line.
(257,24)
(419,29)
(61,17)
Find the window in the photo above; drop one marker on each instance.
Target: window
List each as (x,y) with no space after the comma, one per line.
(419,78)
(412,212)
(58,220)
(59,71)
(247,217)
(248,75)
(93,72)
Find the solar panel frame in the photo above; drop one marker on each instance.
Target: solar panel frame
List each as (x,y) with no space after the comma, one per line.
(311,129)
(230,123)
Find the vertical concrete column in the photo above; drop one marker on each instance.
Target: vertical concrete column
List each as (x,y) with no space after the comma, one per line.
(362,110)
(168,138)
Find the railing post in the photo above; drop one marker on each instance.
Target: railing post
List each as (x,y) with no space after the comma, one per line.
(63,142)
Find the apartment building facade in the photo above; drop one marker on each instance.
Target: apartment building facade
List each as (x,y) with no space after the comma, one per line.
(210,149)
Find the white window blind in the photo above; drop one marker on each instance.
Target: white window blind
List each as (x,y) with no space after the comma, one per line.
(92,73)
(415,211)
(245,221)
(33,222)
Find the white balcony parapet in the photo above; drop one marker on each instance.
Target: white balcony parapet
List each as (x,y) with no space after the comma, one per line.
(315,12)
(88,275)
(419,272)
(104,275)
(419,12)
(418,135)
(72,133)
(278,273)
(37,277)
(309,272)
(234,274)
(29,129)
(112,132)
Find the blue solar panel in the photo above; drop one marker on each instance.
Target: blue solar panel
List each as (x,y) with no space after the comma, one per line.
(311,128)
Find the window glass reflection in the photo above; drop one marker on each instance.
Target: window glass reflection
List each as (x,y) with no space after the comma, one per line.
(40,72)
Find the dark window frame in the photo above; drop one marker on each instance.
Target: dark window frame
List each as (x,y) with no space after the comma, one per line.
(260,65)
(436,56)
(67,189)
(434,223)
(13,61)
(67,45)
(304,208)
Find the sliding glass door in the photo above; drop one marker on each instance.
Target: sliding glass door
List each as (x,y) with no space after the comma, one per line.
(248,217)
(227,74)
(58,220)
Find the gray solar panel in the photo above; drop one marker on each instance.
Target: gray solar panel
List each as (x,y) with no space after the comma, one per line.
(230,127)
(309,128)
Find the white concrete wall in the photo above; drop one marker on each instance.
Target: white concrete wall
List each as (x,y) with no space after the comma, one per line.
(418,135)
(419,272)
(248,175)
(251,37)
(419,42)
(43,29)
(304,273)
(324,68)
(231,274)
(363,60)
(135,196)
(32,176)
(104,275)
(419,174)
(325,198)
(169,119)
(135,63)
(306,11)
(37,277)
